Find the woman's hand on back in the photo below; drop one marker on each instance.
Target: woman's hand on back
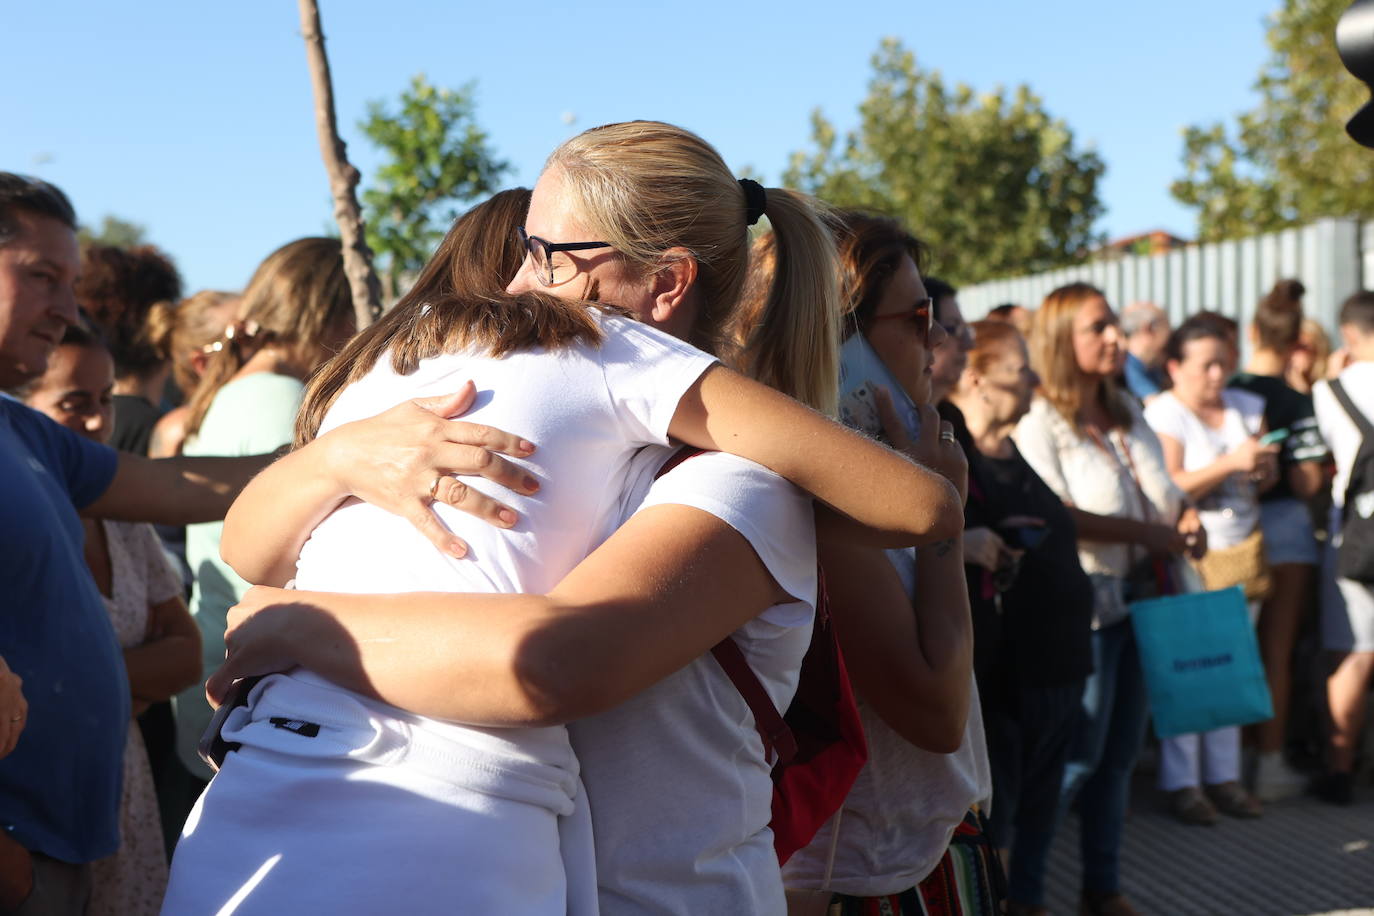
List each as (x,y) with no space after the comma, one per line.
(934,446)
(404,459)
(258,640)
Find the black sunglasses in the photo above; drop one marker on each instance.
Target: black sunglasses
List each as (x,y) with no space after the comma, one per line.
(542,251)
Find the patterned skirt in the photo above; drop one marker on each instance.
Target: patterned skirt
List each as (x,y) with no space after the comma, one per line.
(967,882)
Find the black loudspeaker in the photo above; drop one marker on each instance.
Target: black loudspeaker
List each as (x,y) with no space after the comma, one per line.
(1355,42)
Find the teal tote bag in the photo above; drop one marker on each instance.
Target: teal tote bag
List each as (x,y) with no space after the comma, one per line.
(1201,661)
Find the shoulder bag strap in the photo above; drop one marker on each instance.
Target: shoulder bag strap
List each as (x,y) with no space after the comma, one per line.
(1359,419)
(779,745)
(1366,438)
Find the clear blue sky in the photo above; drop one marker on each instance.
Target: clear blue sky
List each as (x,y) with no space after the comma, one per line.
(195,119)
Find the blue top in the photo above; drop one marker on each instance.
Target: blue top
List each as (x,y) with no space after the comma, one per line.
(1141,380)
(60,788)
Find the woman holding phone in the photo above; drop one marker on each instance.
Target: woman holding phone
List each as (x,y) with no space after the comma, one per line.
(1212,445)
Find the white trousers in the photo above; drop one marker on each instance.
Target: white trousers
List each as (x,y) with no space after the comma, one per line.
(1202,758)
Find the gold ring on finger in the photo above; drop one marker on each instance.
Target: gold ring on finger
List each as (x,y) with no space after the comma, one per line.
(434,487)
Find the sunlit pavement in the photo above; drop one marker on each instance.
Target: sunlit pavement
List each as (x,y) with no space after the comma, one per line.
(1303,858)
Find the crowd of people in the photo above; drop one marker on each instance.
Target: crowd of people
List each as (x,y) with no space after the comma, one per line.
(508,601)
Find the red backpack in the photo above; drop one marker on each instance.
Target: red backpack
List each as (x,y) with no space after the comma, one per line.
(818,747)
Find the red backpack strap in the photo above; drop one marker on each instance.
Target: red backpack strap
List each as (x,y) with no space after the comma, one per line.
(679,456)
(779,744)
(778,741)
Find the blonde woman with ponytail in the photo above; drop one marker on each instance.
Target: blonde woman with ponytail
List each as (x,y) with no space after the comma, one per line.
(295,314)
(714,548)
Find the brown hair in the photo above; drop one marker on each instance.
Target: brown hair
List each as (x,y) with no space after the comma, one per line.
(199,321)
(117,286)
(1278,317)
(871,249)
(1201,326)
(140,348)
(457,302)
(1053,358)
(1358,312)
(991,338)
(646,187)
(298,296)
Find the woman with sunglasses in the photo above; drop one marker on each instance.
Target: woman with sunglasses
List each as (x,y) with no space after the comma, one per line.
(679,576)
(889,846)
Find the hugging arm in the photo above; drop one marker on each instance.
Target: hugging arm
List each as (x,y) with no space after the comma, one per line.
(892,500)
(669,584)
(390,460)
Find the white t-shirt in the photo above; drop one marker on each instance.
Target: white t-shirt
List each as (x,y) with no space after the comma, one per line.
(509,799)
(899,817)
(1230,512)
(1340,432)
(681,794)
(1082,475)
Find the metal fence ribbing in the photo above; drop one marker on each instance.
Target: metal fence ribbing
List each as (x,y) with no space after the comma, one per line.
(1332,257)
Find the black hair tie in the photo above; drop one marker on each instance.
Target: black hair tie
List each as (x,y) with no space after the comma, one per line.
(755,200)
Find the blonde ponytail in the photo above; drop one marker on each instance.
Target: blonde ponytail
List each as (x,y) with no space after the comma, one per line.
(789,338)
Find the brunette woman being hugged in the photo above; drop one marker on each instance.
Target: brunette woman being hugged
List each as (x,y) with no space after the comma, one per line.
(716,546)
(1090,444)
(1032,610)
(905,832)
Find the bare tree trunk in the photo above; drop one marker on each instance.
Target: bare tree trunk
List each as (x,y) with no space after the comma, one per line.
(343,177)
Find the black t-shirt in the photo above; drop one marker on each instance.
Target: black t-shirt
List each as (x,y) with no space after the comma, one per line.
(1041,635)
(1286,408)
(134,419)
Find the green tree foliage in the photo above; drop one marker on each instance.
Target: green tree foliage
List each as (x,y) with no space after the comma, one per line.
(992,182)
(1288,160)
(115,232)
(437,159)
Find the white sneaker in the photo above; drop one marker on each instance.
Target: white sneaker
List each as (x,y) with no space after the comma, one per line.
(1275,779)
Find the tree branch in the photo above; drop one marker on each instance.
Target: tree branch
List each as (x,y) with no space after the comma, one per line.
(343,177)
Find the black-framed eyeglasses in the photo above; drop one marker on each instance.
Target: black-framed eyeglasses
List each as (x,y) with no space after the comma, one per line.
(551,270)
(923,313)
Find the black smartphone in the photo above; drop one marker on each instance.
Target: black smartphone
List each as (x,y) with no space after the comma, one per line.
(213,747)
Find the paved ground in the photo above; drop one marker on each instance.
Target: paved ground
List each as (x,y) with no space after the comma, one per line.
(1303,858)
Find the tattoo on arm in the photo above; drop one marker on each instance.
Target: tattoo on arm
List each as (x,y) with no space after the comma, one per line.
(942,548)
